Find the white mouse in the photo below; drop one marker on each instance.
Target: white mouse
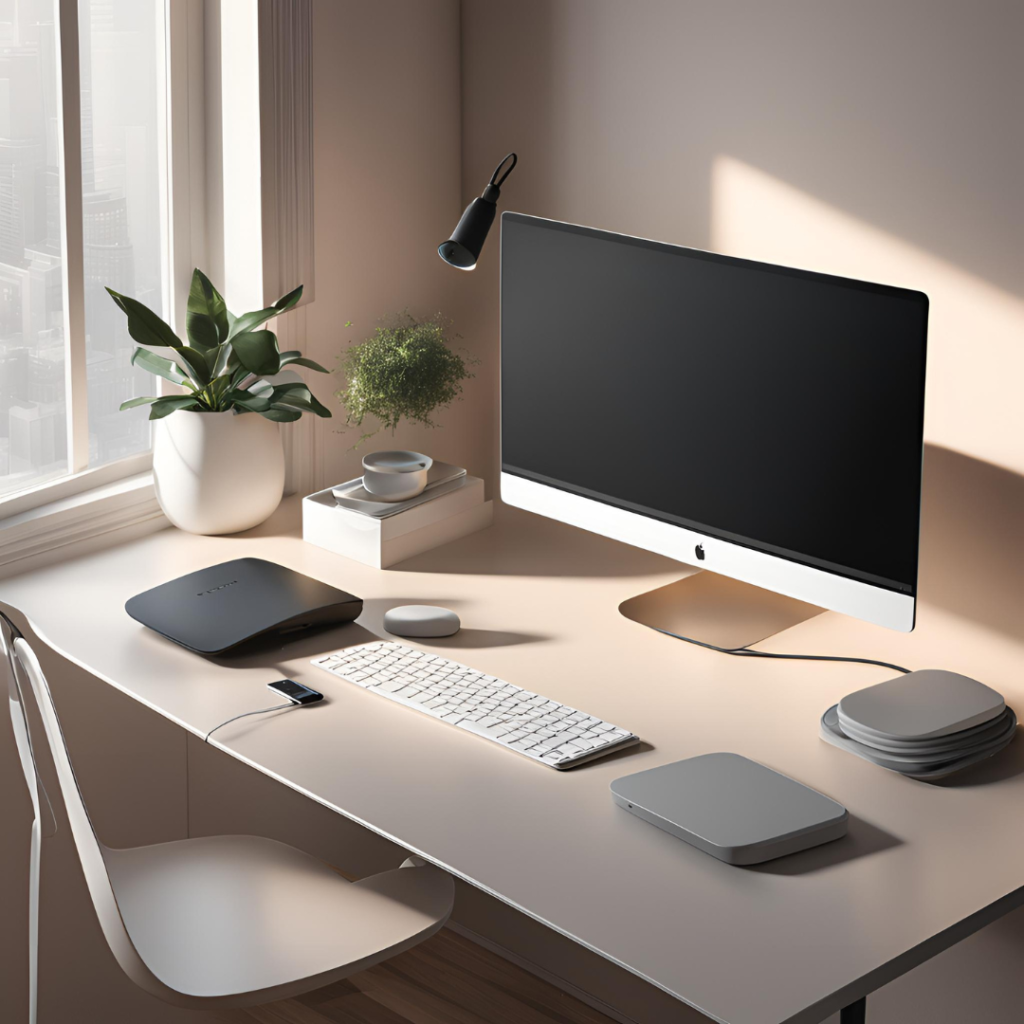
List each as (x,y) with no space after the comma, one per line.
(421,620)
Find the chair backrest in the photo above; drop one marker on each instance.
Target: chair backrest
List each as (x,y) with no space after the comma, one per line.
(90,850)
(19,715)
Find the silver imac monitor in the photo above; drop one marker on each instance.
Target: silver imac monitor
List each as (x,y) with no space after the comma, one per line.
(757,421)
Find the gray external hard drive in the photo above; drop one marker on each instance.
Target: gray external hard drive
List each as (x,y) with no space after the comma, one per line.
(735,809)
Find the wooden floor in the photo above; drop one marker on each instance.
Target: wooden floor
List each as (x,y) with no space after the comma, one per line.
(445,980)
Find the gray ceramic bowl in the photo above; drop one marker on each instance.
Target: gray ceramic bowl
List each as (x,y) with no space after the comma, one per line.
(395,476)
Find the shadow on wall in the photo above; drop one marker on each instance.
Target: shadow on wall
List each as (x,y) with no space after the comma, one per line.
(975,358)
(972,540)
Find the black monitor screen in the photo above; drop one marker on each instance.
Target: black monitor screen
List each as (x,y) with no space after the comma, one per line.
(774,408)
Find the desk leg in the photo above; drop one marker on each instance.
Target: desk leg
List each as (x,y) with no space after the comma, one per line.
(855,1013)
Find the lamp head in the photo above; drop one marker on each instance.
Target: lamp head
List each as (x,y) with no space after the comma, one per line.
(462,250)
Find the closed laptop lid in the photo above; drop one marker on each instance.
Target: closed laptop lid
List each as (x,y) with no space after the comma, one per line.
(730,806)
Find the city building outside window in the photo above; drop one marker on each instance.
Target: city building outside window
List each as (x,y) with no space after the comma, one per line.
(121,180)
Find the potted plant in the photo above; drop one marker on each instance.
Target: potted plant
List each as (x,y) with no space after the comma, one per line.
(218,462)
(404,371)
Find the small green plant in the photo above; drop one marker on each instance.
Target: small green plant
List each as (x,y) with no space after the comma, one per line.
(405,371)
(227,360)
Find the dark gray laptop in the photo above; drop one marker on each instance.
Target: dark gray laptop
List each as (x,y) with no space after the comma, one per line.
(225,606)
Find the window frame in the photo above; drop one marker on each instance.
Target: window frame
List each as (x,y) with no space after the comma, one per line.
(95,507)
(180,139)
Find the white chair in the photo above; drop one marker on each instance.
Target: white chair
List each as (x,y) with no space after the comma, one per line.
(23,743)
(226,920)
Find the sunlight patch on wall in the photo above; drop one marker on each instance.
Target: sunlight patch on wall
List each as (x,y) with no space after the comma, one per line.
(974,398)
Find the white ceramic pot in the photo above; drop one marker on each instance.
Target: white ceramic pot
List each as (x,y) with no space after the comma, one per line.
(217,472)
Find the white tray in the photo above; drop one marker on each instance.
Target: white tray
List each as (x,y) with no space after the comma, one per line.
(442,477)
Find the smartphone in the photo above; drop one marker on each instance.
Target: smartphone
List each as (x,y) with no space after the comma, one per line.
(295,692)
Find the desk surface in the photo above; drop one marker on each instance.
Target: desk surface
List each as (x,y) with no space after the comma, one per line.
(923,865)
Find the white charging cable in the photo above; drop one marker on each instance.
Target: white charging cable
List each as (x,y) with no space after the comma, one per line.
(246,714)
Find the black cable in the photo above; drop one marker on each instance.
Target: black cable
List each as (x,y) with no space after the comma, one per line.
(495,180)
(747,652)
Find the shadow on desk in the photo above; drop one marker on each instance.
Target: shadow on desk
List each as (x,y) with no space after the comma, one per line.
(1007,764)
(862,839)
(522,544)
(267,652)
(467,637)
(643,747)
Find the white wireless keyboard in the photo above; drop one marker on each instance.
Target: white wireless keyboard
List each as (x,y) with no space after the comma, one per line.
(526,722)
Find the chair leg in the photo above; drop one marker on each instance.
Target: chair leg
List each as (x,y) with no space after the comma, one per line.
(33,921)
(855,1013)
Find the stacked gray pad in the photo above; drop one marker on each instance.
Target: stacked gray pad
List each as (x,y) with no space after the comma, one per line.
(924,725)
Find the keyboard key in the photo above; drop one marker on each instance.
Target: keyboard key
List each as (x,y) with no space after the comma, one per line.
(551,743)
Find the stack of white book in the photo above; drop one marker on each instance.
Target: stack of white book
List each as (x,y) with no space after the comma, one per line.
(349,521)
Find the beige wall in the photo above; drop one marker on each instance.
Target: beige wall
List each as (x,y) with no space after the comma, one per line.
(386,79)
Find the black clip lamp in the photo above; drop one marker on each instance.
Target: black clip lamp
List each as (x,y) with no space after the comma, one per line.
(462,250)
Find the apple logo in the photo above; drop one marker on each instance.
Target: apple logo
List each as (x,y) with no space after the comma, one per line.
(699,550)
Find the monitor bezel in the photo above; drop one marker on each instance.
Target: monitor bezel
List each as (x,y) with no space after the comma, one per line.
(747,561)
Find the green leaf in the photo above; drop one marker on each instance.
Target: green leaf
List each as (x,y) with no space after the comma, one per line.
(201,330)
(265,385)
(254,403)
(286,302)
(198,368)
(281,414)
(143,324)
(220,364)
(296,387)
(248,321)
(204,300)
(166,368)
(298,396)
(314,407)
(171,403)
(296,357)
(257,351)
(133,402)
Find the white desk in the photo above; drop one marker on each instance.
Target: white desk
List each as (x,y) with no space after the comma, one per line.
(794,941)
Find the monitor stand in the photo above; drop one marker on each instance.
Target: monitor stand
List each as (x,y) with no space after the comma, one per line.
(716,611)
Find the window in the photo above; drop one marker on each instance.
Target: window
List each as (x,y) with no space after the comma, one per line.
(120,188)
